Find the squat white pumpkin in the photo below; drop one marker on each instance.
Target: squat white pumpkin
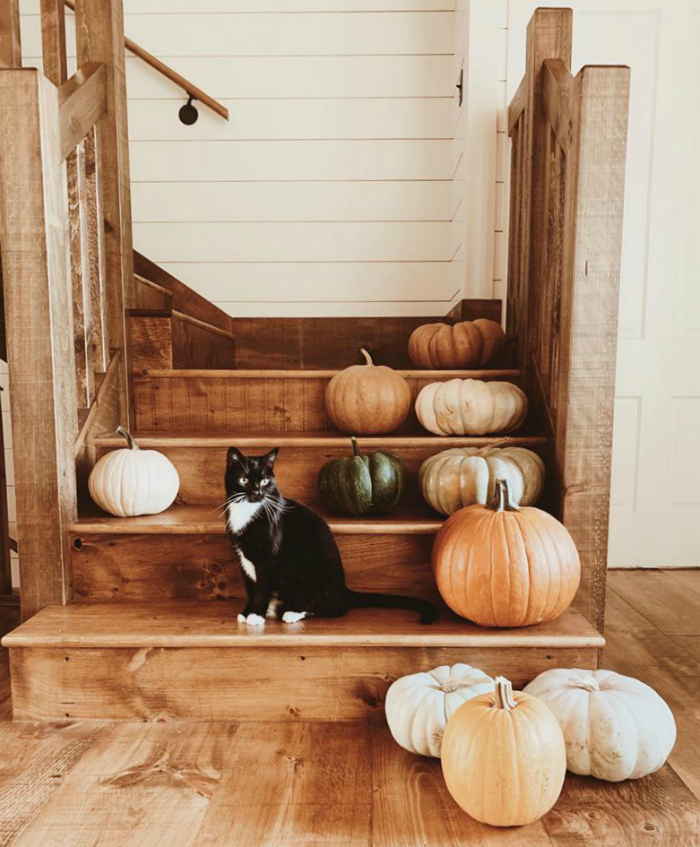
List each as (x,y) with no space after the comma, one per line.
(615,727)
(470,407)
(418,706)
(132,481)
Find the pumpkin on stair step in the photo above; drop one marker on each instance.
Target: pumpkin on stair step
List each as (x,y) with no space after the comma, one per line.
(466,344)
(463,476)
(503,757)
(368,399)
(132,482)
(419,705)
(615,727)
(503,566)
(471,407)
(363,483)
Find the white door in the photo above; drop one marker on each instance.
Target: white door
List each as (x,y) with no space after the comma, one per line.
(655,520)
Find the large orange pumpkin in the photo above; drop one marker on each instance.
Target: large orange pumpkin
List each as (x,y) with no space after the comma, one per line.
(504,757)
(499,565)
(368,399)
(466,344)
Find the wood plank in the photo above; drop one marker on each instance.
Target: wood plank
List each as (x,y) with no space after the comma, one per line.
(5,549)
(37,287)
(150,340)
(557,93)
(197,344)
(10,39)
(411,805)
(305,682)
(82,102)
(655,594)
(317,789)
(188,624)
(150,295)
(517,105)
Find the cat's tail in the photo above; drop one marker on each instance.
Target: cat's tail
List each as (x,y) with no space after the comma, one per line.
(359,600)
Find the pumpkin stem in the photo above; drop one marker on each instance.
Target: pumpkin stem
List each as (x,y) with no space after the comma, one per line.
(455,684)
(355,446)
(504,694)
(368,358)
(501,498)
(129,438)
(589,684)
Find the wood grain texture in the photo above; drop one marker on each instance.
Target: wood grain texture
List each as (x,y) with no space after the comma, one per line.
(5,549)
(10,39)
(82,102)
(150,295)
(34,237)
(197,344)
(150,340)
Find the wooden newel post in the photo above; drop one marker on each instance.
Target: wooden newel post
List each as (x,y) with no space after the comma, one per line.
(37,283)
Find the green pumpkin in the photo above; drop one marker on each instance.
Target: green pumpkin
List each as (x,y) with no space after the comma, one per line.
(363,484)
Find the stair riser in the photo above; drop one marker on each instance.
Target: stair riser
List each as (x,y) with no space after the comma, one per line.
(224,404)
(245,683)
(145,568)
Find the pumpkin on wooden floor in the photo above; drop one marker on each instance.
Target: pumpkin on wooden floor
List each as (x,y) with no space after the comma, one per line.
(615,727)
(418,706)
(466,344)
(463,476)
(363,483)
(368,399)
(470,407)
(503,757)
(132,482)
(502,566)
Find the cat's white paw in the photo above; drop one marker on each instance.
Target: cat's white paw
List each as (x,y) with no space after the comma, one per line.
(255,620)
(293,617)
(241,618)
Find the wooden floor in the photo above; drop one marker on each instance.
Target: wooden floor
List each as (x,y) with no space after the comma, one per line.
(225,785)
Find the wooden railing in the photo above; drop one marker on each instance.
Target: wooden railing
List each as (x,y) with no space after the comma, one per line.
(566,199)
(194,91)
(67,259)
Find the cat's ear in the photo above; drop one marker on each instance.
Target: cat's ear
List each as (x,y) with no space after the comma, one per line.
(269,458)
(234,457)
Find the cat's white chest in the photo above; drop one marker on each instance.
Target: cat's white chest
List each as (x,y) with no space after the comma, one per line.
(239,515)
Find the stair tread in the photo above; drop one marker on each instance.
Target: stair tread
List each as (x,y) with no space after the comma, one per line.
(264,373)
(417,519)
(182,623)
(316,439)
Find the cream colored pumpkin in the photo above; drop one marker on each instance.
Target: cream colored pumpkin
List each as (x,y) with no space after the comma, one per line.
(463,476)
(471,407)
(615,727)
(418,706)
(133,482)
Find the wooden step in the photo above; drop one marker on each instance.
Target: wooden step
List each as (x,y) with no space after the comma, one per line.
(201,459)
(268,401)
(173,661)
(184,553)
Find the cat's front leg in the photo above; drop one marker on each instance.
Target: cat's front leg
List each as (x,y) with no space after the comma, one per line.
(257,606)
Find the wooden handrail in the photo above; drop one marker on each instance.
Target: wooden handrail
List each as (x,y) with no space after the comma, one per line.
(171,74)
(82,101)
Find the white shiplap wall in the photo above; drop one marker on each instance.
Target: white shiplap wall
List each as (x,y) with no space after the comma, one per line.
(331,190)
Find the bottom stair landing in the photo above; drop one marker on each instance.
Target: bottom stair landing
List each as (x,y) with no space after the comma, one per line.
(183,660)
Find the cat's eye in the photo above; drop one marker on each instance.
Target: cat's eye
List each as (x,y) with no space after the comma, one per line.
(264,481)
(243,480)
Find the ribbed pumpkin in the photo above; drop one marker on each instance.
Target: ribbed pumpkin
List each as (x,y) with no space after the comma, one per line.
(368,399)
(503,757)
(363,483)
(501,566)
(464,476)
(471,407)
(466,344)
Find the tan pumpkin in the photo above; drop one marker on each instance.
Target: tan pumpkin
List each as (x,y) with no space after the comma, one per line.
(368,399)
(466,344)
(502,566)
(503,757)
(471,407)
(464,476)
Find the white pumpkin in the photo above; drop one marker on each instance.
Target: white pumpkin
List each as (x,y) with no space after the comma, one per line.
(463,476)
(418,706)
(470,407)
(615,727)
(132,481)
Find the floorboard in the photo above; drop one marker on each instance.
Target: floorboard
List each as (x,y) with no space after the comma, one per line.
(92,784)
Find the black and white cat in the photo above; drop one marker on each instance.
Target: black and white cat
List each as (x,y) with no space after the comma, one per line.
(290,562)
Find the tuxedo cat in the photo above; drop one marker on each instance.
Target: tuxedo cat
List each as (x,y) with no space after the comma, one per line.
(290,562)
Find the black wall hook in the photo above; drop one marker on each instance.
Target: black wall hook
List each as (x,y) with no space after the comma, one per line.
(188,114)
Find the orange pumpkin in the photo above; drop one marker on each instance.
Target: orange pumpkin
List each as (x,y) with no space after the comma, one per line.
(466,344)
(499,565)
(368,399)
